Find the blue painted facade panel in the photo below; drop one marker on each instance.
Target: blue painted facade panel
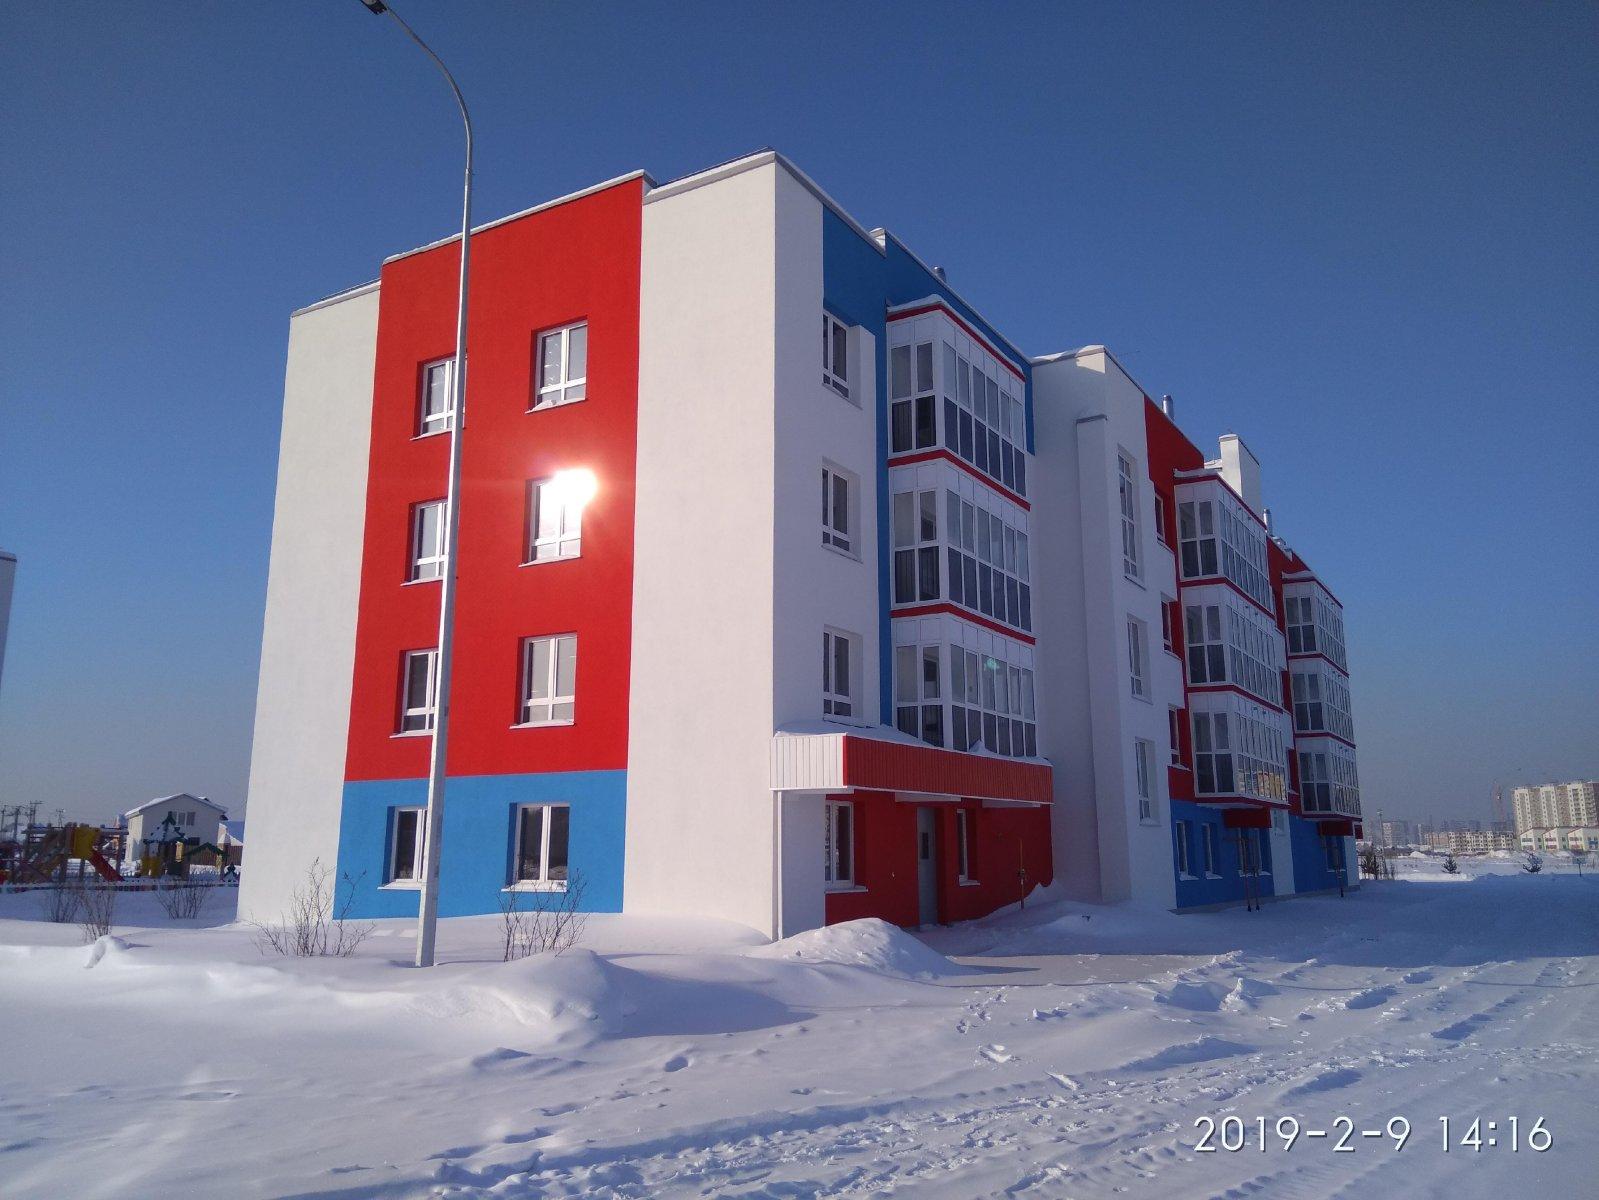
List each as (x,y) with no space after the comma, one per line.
(860,283)
(1311,872)
(479,839)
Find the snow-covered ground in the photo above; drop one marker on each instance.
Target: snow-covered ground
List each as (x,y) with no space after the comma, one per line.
(1068,1054)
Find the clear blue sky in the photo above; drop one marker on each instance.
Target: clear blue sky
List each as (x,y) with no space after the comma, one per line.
(1362,236)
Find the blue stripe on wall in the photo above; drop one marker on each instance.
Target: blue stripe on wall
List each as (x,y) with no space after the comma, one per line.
(859,284)
(478,826)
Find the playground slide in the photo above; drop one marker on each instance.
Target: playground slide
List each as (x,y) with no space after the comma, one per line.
(103,868)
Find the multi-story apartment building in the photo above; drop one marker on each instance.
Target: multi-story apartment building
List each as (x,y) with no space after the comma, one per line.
(1555,805)
(672,679)
(1472,841)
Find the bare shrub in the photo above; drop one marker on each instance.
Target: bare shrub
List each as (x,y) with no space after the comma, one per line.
(97,908)
(59,903)
(542,922)
(313,927)
(179,900)
(1533,864)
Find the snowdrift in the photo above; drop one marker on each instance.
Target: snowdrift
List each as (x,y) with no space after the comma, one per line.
(870,943)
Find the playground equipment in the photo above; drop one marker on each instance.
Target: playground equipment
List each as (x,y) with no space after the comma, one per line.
(45,853)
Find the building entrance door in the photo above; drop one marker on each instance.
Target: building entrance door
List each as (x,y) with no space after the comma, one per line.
(927,865)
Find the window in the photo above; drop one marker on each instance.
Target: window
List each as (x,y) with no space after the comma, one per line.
(549,680)
(554,520)
(985,423)
(918,693)
(427,541)
(563,366)
(1213,760)
(838,844)
(1207,847)
(836,511)
(988,559)
(911,400)
(1308,714)
(434,409)
(1221,537)
(1161,531)
(543,833)
(963,844)
(1183,868)
(1168,634)
(1207,654)
(419,691)
(1143,759)
(1128,488)
(835,355)
(915,528)
(407,832)
(1174,725)
(837,676)
(992,705)
(1135,658)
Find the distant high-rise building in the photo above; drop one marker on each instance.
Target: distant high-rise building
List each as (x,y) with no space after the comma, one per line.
(1555,805)
(8,574)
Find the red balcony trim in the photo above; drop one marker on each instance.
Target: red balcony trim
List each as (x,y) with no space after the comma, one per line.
(928,610)
(905,460)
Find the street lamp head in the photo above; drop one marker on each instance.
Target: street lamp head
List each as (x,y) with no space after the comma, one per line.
(375,6)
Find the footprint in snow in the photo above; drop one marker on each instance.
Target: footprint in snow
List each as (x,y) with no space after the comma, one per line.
(676,1063)
(996,1053)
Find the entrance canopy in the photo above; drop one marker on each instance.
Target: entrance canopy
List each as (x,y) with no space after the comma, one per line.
(834,760)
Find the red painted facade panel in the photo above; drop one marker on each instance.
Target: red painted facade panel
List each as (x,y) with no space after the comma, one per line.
(1010,855)
(576,261)
(893,766)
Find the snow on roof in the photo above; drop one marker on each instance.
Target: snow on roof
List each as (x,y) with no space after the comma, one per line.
(173,799)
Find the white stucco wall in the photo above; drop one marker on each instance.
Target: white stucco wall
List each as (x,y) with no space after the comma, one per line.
(313,589)
(701,820)
(1088,410)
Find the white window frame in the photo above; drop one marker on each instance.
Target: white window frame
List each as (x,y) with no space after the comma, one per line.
(1184,866)
(553,699)
(567,540)
(423,708)
(835,536)
(553,394)
(1168,625)
(430,421)
(1137,659)
(1207,845)
(1144,776)
(543,882)
(428,563)
(963,845)
(1174,720)
(392,878)
(1127,490)
(840,702)
(835,346)
(838,870)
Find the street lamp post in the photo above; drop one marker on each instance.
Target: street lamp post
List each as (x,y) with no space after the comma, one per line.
(433,837)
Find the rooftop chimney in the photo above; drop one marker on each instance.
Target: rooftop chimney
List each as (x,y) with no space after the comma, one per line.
(939,271)
(1265,515)
(1165,404)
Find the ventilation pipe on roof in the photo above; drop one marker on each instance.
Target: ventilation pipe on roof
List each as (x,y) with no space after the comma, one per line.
(939,271)
(1265,515)
(1165,404)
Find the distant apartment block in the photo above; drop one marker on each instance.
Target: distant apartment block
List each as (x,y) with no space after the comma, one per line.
(1472,841)
(1555,806)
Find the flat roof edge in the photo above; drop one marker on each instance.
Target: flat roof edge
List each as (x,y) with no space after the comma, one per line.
(527,212)
(348,294)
